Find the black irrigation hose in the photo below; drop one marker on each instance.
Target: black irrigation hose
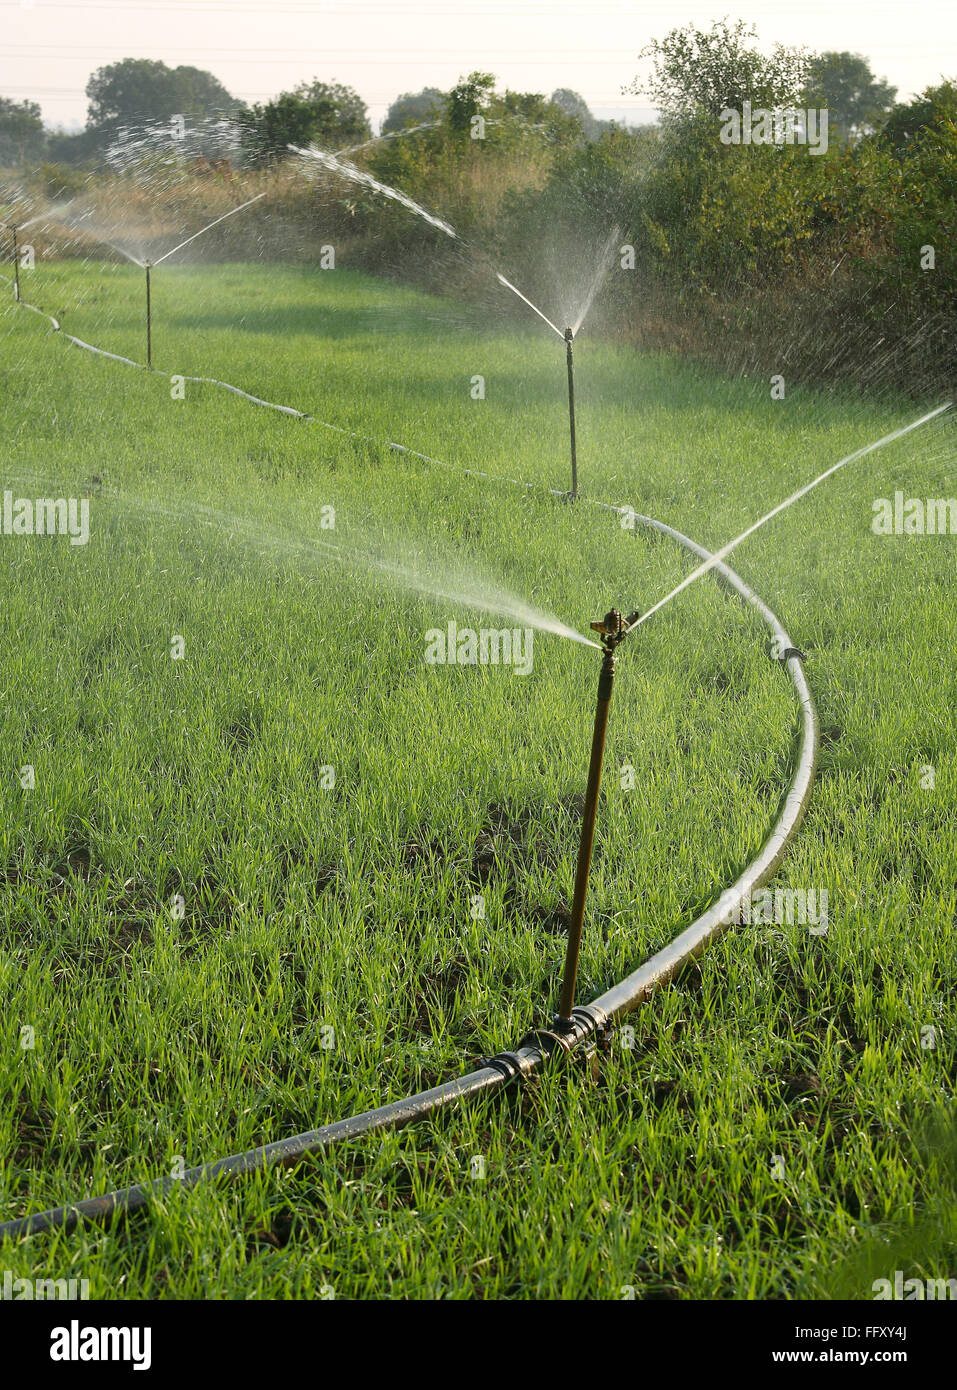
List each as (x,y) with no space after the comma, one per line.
(694,940)
(533,1051)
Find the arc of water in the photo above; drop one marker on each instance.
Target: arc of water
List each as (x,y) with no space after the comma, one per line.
(215,223)
(51,212)
(122,251)
(599,275)
(508,284)
(389,135)
(725,550)
(349,171)
(57,214)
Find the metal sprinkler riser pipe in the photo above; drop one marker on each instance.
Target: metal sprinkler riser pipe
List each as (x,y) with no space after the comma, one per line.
(613,628)
(149,321)
(16,266)
(569,359)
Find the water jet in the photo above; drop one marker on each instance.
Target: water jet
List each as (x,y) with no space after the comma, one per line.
(347,170)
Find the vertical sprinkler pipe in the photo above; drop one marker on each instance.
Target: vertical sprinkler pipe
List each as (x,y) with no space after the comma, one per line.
(149,322)
(612,628)
(16,266)
(569,338)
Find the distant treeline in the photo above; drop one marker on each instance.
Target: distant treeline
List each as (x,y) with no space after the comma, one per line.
(744,236)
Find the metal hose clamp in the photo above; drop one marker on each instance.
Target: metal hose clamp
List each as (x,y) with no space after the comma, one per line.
(509,1064)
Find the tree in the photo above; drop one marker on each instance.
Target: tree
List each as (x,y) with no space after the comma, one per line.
(933,109)
(198,94)
(463,167)
(341,113)
(857,102)
(704,71)
(142,91)
(574,105)
(77,148)
(316,112)
(266,132)
(21,131)
(414,108)
(468,98)
(531,109)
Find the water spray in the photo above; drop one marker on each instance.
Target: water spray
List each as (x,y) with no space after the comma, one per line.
(203,230)
(726,550)
(613,629)
(345,169)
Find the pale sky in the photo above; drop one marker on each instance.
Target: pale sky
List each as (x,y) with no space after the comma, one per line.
(384,47)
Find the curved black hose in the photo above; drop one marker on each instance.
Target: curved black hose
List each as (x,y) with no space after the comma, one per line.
(507,1067)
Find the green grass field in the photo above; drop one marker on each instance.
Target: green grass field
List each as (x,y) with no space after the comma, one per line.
(161,1041)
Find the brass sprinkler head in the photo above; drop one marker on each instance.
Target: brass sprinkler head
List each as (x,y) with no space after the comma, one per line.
(611,629)
(609,625)
(614,628)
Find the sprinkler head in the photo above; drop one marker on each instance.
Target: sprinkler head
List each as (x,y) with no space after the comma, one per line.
(610,624)
(614,628)
(611,627)
(569,335)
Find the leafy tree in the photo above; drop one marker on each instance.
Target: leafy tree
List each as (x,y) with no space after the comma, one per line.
(266,132)
(574,105)
(512,111)
(341,115)
(857,102)
(935,108)
(21,131)
(413,108)
(143,91)
(702,71)
(324,113)
(466,180)
(530,109)
(469,97)
(75,148)
(199,93)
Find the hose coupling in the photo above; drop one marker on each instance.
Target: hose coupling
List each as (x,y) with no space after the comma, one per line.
(510,1064)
